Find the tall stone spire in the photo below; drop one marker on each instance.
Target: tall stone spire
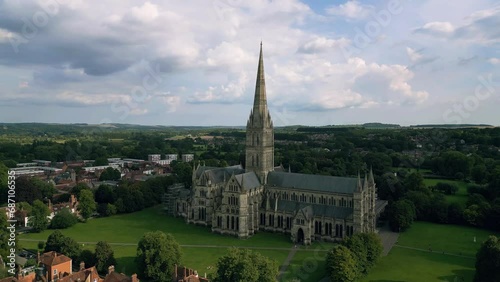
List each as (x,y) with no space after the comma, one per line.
(260,135)
(260,99)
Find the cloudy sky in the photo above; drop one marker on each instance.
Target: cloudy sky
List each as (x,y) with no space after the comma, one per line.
(194,62)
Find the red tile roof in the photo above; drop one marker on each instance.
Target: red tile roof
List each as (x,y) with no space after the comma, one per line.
(53,258)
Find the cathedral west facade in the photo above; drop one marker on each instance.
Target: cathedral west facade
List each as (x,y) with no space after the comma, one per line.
(261,197)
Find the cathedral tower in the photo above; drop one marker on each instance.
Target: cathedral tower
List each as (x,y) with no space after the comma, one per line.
(260,136)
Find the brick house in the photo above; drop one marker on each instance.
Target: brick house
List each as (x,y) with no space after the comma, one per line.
(56,265)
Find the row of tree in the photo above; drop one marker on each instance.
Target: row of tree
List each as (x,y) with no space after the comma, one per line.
(102,257)
(354,257)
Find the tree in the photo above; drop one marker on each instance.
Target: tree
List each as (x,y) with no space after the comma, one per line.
(455,213)
(488,261)
(101,161)
(106,209)
(421,201)
(104,256)
(88,257)
(104,194)
(357,246)
(86,204)
(341,265)
(63,219)
(26,191)
(157,253)
(57,242)
(401,215)
(110,174)
(415,182)
(78,188)
(4,236)
(38,220)
(373,246)
(245,265)
(46,189)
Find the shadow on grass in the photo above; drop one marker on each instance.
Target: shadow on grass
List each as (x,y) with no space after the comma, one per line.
(459,275)
(126,265)
(387,281)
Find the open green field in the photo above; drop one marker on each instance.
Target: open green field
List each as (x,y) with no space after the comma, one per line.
(419,264)
(453,239)
(412,265)
(461,195)
(129,228)
(308,266)
(200,249)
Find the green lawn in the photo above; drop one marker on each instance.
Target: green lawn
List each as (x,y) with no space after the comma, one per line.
(404,264)
(461,195)
(442,237)
(411,265)
(128,228)
(308,266)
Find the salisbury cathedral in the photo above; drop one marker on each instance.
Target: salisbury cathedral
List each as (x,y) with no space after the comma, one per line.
(242,201)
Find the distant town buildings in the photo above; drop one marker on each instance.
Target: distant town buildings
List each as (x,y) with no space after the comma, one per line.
(187,157)
(56,267)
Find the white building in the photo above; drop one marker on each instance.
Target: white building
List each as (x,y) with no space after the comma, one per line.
(172,157)
(187,157)
(154,157)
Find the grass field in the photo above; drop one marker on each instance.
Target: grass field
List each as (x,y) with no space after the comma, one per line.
(411,265)
(403,264)
(129,228)
(461,195)
(308,265)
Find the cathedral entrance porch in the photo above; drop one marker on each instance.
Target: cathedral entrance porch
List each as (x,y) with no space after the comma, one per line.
(300,236)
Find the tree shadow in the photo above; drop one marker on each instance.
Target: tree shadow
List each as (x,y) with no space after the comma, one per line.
(387,281)
(126,265)
(459,275)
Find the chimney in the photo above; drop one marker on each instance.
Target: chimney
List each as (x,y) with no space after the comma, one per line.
(134,278)
(111,268)
(82,266)
(54,254)
(38,257)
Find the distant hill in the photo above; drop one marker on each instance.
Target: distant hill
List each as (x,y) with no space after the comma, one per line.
(451,125)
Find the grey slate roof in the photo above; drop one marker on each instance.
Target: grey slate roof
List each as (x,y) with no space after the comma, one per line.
(218,174)
(323,183)
(250,180)
(316,209)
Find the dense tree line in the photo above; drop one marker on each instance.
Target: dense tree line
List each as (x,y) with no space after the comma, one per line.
(354,257)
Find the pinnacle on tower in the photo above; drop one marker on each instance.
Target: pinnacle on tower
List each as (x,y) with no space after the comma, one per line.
(260,100)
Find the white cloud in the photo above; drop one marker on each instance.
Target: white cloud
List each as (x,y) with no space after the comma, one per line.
(413,54)
(322,44)
(494,61)
(352,9)
(146,13)
(436,29)
(207,54)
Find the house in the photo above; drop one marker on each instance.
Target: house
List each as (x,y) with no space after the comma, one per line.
(84,274)
(113,276)
(56,265)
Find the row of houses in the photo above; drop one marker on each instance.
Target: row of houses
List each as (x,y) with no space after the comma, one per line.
(57,267)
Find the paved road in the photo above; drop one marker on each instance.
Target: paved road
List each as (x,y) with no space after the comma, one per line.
(388,238)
